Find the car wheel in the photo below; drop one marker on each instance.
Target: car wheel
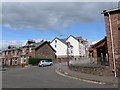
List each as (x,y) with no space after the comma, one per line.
(42,65)
(51,64)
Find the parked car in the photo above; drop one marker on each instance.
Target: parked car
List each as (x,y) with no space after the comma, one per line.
(45,63)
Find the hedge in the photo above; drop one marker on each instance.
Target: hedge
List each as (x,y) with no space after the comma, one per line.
(36,60)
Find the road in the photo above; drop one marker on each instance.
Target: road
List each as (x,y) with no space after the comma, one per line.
(42,77)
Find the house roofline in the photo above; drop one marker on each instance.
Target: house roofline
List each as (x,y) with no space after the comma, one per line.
(94,45)
(58,39)
(111,10)
(43,44)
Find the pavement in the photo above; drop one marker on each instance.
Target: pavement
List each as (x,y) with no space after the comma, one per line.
(63,69)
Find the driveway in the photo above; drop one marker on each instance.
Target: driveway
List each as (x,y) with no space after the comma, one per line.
(43,77)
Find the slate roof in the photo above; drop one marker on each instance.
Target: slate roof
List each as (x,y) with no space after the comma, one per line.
(62,40)
(34,45)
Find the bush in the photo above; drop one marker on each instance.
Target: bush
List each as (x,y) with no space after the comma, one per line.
(5,66)
(36,60)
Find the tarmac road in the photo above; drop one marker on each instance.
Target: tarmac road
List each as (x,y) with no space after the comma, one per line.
(43,77)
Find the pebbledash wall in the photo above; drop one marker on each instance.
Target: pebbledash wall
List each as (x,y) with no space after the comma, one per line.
(112,22)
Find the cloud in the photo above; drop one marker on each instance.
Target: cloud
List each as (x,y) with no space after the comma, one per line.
(50,15)
(4,43)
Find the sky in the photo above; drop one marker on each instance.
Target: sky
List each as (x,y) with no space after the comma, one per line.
(22,21)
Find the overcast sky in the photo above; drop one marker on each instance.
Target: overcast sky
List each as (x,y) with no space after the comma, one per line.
(52,18)
(41,16)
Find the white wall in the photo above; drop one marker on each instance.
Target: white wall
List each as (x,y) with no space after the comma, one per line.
(61,48)
(75,45)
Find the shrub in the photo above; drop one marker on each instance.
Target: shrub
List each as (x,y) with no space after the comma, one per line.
(5,66)
(36,60)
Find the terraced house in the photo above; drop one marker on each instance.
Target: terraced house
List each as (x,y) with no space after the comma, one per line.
(21,55)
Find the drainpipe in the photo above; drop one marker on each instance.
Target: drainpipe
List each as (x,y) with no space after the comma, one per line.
(113,54)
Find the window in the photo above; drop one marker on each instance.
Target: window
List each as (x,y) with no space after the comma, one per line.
(82,42)
(47,61)
(23,59)
(55,41)
(30,49)
(16,61)
(119,28)
(55,46)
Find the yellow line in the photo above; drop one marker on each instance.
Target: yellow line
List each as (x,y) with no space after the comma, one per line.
(78,78)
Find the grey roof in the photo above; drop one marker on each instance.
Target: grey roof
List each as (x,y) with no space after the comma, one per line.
(33,45)
(38,44)
(62,40)
(10,49)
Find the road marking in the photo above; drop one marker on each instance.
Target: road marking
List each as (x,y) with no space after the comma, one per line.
(90,81)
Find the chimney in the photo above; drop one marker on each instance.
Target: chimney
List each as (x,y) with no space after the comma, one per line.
(42,40)
(79,37)
(11,47)
(30,41)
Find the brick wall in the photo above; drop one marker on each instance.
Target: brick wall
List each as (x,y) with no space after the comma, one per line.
(115,33)
(45,51)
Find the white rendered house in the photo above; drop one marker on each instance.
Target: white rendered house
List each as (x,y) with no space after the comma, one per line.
(60,47)
(72,46)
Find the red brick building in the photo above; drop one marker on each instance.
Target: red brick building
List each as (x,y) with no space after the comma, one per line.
(112,22)
(18,56)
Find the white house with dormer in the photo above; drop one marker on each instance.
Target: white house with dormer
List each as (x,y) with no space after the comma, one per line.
(72,46)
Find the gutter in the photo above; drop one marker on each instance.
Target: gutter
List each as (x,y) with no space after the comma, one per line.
(113,54)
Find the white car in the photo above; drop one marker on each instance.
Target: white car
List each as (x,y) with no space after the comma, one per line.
(45,63)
